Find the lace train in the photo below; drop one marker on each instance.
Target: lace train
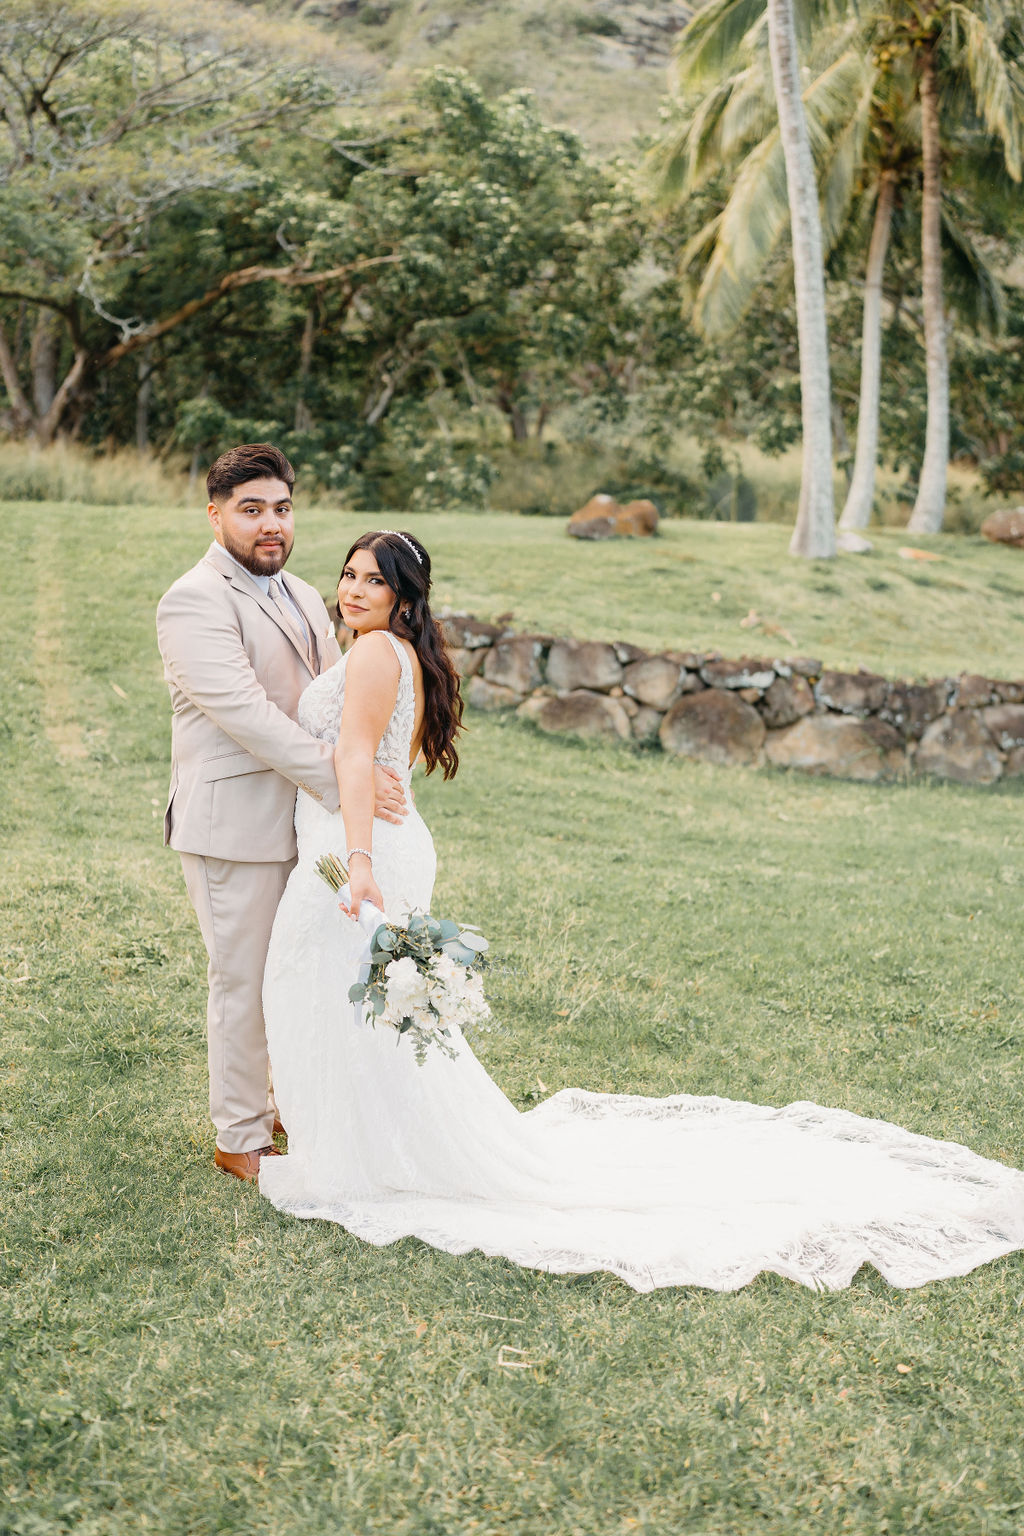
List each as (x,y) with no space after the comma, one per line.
(674,1191)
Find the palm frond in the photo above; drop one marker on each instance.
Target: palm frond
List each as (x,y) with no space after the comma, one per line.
(997,83)
(846,160)
(750,227)
(972,286)
(710,45)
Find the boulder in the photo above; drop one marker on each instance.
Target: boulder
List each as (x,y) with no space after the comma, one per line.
(745,673)
(466,663)
(714,726)
(838,745)
(1005,724)
(467,633)
(1005,527)
(1010,693)
(1013,768)
(646,723)
(852,693)
(515,664)
(604,518)
(481,694)
(803,666)
(958,747)
(583,664)
(627,653)
(787,700)
(580,713)
(974,692)
(654,681)
(912,706)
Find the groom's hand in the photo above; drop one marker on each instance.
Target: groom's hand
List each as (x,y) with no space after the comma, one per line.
(388,795)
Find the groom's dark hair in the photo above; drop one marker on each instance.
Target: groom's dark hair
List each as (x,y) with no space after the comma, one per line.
(251,461)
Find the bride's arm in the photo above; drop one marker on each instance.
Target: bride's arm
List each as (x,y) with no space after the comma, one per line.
(372,674)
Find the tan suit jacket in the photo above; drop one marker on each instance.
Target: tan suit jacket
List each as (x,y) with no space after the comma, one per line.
(236,671)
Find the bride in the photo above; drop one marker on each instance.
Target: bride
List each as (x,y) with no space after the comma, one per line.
(675,1191)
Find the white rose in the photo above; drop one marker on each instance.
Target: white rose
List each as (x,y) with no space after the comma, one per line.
(406,986)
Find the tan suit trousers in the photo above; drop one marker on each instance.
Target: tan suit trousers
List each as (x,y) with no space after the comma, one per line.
(235,904)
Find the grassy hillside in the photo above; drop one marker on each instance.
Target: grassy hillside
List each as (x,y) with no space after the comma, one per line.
(597,67)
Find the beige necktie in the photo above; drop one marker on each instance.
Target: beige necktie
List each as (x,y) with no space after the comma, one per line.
(291,621)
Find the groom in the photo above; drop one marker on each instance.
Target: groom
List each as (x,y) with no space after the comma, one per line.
(239,644)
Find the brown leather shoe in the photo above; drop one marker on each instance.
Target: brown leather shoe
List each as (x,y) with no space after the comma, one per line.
(279,1129)
(243,1165)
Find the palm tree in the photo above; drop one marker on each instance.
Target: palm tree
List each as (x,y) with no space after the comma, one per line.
(866,128)
(814,534)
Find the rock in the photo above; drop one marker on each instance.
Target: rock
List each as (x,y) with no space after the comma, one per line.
(1013,768)
(514,664)
(973,692)
(745,673)
(646,723)
(693,660)
(958,747)
(467,633)
(787,700)
(838,745)
(627,653)
(580,713)
(715,726)
(912,706)
(1005,724)
(638,520)
(1005,527)
(604,518)
(654,681)
(481,694)
(851,543)
(852,693)
(1009,693)
(804,666)
(466,663)
(583,664)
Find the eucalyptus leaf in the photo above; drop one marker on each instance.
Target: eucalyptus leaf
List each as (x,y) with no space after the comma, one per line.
(357,992)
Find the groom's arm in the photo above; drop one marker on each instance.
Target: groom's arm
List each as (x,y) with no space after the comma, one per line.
(204,657)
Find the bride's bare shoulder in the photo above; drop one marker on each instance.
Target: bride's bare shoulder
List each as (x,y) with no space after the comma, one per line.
(372,656)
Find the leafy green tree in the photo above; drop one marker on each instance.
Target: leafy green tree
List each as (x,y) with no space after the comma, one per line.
(116,121)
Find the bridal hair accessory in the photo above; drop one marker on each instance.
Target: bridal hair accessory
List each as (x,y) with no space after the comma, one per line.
(396,535)
(423,980)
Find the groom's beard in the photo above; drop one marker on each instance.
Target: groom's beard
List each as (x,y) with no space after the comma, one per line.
(262,559)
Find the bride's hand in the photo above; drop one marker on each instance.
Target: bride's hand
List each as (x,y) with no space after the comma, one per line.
(361,887)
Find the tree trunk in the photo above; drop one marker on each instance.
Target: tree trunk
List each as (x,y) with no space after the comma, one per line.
(931,491)
(303,414)
(814,535)
(931,494)
(43,356)
(143,395)
(861,495)
(21,410)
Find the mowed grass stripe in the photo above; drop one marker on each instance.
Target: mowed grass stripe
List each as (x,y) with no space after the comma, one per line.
(178,1357)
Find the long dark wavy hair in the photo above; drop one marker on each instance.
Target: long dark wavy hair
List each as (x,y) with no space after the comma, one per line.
(411,619)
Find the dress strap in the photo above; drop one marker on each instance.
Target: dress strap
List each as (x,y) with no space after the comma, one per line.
(403,655)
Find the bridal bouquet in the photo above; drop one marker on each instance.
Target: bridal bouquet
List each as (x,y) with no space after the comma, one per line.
(424,979)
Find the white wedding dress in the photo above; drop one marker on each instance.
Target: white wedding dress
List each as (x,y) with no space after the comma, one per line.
(676,1191)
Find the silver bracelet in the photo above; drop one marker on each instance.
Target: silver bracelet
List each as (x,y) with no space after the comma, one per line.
(364,851)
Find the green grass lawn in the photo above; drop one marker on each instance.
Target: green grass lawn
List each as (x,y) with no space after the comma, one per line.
(693,585)
(178,1357)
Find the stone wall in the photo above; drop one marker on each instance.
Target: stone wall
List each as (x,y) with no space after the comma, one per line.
(794,713)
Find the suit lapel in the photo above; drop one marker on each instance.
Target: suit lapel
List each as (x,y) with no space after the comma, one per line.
(238,579)
(314,638)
